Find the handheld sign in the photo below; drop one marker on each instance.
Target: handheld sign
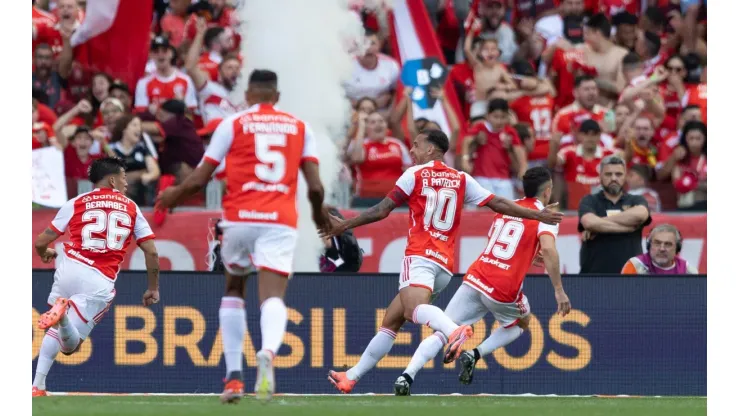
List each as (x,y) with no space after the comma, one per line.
(423,75)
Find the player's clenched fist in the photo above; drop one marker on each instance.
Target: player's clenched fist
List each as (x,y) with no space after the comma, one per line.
(151,297)
(49,255)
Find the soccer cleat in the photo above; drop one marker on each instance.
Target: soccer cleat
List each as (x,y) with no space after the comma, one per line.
(402,387)
(341,382)
(467,362)
(54,315)
(233,391)
(457,339)
(35,392)
(264,387)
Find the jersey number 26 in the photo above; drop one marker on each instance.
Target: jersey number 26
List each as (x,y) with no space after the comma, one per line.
(113,225)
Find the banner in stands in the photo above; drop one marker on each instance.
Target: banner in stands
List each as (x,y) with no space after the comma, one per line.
(48,187)
(632,336)
(183,240)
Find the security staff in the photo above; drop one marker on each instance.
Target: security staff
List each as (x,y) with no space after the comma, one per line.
(662,257)
(611,221)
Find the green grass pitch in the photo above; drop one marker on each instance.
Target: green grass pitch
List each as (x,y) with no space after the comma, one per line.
(368,406)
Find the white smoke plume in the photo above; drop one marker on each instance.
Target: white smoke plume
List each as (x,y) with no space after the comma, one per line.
(305,43)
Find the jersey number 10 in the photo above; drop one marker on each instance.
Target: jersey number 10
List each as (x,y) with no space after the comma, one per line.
(504,238)
(440,203)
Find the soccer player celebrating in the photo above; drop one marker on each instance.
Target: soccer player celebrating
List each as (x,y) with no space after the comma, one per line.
(263,148)
(495,280)
(435,194)
(101,224)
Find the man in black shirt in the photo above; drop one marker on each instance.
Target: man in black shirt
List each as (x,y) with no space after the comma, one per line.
(611,221)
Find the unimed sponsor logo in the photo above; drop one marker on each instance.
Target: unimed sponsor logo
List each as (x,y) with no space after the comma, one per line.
(432,253)
(474,280)
(256,215)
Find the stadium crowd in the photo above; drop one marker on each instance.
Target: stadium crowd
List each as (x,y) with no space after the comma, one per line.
(556,83)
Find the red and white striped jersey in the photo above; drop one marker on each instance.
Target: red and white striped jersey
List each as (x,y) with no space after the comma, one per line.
(156,89)
(512,244)
(101,224)
(435,194)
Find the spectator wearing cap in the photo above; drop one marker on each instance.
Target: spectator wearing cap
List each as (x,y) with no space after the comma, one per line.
(580,161)
(638,177)
(611,221)
(44,77)
(489,23)
(497,149)
(533,104)
(663,248)
(119,90)
(142,170)
(165,83)
(213,96)
(374,75)
(182,148)
(605,56)
(626,30)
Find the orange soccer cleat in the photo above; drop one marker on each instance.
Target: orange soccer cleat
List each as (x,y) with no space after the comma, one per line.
(54,315)
(341,382)
(233,391)
(456,341)
(35,392)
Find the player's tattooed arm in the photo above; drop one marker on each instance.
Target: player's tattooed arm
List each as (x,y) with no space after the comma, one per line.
(44,240)
(509,207)
(151,260)
(376,213)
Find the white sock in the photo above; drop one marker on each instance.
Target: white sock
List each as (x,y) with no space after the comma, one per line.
(378,347)
(69,336)
(48,351)
(434,318)
(273,320)
(501,337)
(232,318)
(428,349)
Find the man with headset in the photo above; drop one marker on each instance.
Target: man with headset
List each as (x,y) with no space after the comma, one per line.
(662,257)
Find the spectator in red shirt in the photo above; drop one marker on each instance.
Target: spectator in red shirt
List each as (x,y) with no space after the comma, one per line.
(378,160)
(670,140)
(69,20)
(77,156)
(217,14)
(42,133)
(640,149)
(498,151)
(173,22)
(364,105)
(689,167)
(216,43)
(580,162)
(166,83)
(568,118)
(463,80)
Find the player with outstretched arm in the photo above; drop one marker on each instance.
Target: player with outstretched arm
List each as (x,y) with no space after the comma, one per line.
(435,194)
(494,282)
(264,149)
(101,225)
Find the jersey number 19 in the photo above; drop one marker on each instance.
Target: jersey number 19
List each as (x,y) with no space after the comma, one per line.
(504,238)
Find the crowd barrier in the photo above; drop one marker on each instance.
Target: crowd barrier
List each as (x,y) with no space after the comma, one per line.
(183,240)
(625,335)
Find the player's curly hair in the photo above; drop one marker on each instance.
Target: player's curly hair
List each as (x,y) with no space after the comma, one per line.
(438,138)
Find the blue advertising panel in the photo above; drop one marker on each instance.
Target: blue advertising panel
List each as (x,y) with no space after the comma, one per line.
(626,335)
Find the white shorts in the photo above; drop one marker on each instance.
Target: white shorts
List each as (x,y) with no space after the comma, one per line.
(420,272)
(90,293)
(468,306)
(246,248)
(503,188)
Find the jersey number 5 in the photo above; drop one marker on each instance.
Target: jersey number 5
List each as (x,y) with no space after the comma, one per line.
(113,225)
(440,203)
(271,168)
(505,237)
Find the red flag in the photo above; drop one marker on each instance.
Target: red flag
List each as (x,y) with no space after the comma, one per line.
(114,38)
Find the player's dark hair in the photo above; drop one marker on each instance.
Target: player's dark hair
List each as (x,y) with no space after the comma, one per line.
(534,181)
(101,168)
(438,138)
(264,78)
(583,78)
(631,60)
(212,34)
(498,104)
(601,23)
(652,41)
